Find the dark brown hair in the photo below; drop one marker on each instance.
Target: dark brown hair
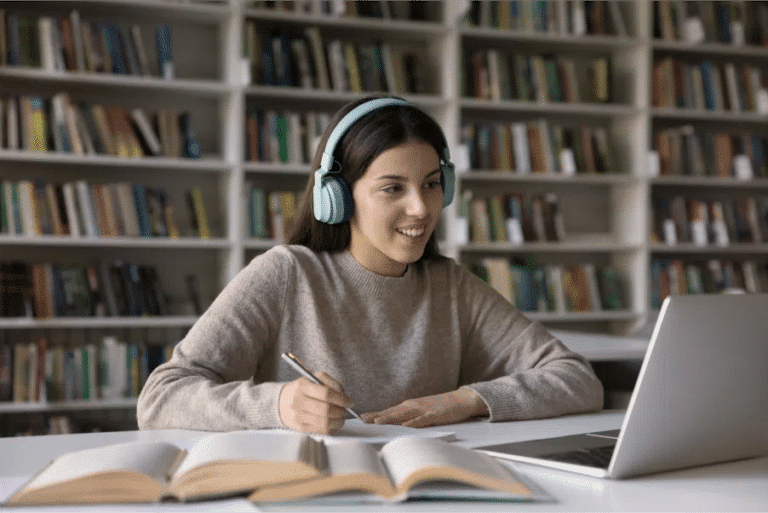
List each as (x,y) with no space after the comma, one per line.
(366,139)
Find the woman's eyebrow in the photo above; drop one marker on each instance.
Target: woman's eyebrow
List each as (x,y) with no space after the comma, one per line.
(403,178)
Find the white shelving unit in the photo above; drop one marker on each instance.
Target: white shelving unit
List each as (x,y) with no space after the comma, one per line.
(608,217)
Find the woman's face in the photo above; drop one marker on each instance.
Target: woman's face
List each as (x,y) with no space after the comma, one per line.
(398,201)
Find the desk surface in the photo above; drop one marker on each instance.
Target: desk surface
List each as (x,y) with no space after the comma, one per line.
(734,486)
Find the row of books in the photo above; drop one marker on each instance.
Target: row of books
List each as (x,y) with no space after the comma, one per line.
(271,214)
(676,276)
(103,289)
(284,136)
(412,10)
(680,219)
(71,43)
(578,287)
(46,372)
(685,150)
(493,74)
(83,209)
(35,123)
(538,146)
(513,217)
(735,22)
(575,17)
(305,58)
(709,86)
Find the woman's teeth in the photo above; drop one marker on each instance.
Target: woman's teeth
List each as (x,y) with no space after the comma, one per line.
(412,232)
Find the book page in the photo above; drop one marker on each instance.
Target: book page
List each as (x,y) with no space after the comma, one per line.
(247,445)
(407,455)
(154,459)
(354,458)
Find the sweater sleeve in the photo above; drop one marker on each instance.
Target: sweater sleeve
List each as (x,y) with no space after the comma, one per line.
(208,383)
(516,366)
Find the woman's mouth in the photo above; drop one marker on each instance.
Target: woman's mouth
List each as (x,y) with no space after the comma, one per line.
(411,232)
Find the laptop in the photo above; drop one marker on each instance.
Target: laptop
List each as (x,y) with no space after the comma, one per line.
(701,396)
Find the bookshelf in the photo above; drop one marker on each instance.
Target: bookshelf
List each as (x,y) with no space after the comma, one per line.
(218,48)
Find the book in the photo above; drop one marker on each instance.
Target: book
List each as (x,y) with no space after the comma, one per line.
(164,51)
(405,468)
(134,472)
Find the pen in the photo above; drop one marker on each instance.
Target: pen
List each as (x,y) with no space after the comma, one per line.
(302,369)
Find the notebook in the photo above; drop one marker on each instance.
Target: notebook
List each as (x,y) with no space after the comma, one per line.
(701,396)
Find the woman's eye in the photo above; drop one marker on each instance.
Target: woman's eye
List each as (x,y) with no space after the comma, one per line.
(391,189)
(433,184)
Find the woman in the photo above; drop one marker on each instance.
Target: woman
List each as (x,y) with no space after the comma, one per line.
(399,332)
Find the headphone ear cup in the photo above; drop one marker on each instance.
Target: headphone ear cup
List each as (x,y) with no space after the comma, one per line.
(448,182)
(338,197)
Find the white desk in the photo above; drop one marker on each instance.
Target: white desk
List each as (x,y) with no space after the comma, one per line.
(735,486)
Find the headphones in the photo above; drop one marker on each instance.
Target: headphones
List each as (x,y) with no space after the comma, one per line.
(332,197)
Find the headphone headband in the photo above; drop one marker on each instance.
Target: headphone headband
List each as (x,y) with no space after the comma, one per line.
(332,200)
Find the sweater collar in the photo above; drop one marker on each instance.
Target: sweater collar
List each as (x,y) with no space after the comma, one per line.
(371,281)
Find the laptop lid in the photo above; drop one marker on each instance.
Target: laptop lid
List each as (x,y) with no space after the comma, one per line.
(701,395)
(702,392)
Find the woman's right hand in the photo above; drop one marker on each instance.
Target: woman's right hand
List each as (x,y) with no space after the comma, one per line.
(311,408)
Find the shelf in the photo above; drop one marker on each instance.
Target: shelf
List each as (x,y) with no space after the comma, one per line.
(10,323)
(115,242)
(276,167)
(205,164)
(555,318)
(713,182)
(710,49)
(600,347)
(598,245)
(331,96)
(723,116)
(589,180)
(258,245)
(373,27)
(74,405)
(736,249)
(549,42)
(204,88)
(563,108)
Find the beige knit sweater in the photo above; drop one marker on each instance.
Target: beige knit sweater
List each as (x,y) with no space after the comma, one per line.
(385,339)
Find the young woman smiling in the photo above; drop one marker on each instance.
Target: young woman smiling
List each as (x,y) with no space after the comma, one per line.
(361,293)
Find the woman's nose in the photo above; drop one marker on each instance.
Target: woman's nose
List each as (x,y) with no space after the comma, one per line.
(416,205)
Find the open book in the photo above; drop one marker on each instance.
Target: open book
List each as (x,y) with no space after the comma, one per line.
(217,465)
(270,466)
(405,468)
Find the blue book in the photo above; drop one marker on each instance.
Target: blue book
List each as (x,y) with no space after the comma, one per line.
(191,146)
(708,83)
(164,53)
(140,198)
(525,292)
(14,48)
(757,152)
(724,21)
(267,59)
(132,59)
(16,206)
(114,48)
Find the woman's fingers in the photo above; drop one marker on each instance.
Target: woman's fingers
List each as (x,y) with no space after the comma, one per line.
(310,407)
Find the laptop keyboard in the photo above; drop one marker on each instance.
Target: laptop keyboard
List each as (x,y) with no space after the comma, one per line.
(598,457)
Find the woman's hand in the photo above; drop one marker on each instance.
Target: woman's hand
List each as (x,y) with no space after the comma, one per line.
(311,408)
(432,410)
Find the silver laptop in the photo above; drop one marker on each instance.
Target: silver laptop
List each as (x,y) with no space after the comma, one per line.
(701,396)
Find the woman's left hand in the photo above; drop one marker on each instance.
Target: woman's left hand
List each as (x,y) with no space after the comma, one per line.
(432,410)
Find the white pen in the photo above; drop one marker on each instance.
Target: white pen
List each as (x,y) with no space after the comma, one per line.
(302,369)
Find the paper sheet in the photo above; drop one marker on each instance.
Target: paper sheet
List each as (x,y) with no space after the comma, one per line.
(355,429)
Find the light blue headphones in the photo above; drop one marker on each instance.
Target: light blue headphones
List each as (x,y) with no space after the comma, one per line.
(332,197)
